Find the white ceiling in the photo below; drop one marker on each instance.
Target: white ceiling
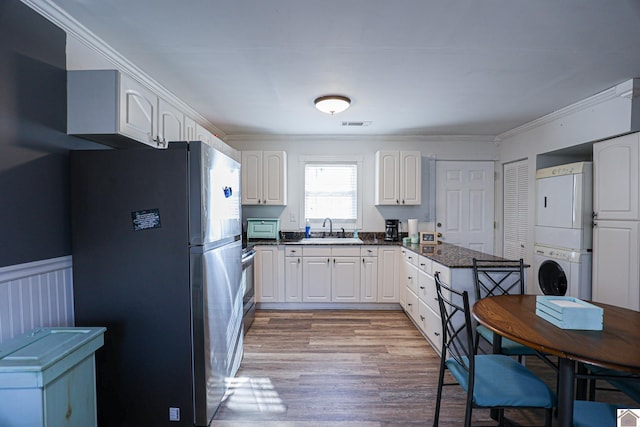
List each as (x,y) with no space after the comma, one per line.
(411,67)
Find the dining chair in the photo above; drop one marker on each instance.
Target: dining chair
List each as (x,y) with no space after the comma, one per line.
(594,414)
(493,381)
(492,278)
(624,382)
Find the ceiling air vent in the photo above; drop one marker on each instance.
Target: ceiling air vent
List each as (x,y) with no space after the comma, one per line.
(357,124)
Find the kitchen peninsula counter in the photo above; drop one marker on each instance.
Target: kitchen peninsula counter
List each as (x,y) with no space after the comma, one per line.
(452,256)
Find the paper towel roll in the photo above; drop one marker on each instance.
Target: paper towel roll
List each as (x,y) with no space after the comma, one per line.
(413,230)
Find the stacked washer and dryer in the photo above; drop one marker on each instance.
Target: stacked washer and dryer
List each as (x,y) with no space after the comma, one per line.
(563,231)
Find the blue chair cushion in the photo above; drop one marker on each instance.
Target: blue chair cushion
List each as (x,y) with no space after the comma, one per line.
(500,381)
(594,414)
(630,388)
(509,347)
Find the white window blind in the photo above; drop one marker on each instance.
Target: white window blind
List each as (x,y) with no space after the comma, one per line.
(331,191)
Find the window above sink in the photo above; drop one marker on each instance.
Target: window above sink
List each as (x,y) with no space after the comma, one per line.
(332,188)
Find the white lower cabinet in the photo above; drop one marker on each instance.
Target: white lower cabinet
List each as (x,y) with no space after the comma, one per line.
(327,274)
(409,276)
(431,324)
(411,306)
(331,274)
(345,279)
(293,274)
(316,278)
(388,274)
(267,274)
(369,274)
(421,295)
(616,271)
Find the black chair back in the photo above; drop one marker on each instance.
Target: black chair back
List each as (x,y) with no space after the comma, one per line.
(492,278)
(457,339)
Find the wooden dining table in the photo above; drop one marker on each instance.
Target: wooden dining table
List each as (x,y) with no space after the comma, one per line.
(616,346)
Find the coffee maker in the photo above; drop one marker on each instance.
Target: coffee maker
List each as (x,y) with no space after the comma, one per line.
(391,230)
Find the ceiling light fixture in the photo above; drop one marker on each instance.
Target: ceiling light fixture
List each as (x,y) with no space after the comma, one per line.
(332,104)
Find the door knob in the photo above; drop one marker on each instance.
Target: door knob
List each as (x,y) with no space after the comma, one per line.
(439,224)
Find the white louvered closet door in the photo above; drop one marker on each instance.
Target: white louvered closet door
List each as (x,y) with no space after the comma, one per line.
(516,210)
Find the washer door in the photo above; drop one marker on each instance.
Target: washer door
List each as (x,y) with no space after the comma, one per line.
(552,279)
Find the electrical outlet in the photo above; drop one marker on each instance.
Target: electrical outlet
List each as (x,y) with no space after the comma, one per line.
(292,217)
(174,414)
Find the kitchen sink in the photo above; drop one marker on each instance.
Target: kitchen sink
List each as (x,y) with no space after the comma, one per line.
(331,241)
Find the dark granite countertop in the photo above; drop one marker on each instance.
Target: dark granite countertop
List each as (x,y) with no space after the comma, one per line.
(293,238)
(451,256)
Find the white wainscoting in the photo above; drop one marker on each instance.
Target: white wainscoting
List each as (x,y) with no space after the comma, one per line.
(34,295)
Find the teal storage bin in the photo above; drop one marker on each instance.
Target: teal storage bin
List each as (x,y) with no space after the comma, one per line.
(47,378)
(569,312)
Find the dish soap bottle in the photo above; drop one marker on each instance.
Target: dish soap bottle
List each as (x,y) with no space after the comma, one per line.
(307,229)
(355,233)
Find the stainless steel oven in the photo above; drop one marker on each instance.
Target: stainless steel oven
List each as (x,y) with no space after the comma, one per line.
(249,299)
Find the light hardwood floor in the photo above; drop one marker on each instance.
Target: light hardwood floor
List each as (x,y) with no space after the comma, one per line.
(346,368)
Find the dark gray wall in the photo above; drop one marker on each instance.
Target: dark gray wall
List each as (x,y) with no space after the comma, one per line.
(34,177)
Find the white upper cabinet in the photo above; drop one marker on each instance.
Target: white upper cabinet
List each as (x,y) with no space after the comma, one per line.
(203,135)
(139,112)
(170,122)
(114,109)
(398,179)
(616,178)
(264,178)
(189,129)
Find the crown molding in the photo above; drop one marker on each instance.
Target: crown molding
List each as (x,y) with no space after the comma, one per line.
(75,29)
(628,89)
(381,138)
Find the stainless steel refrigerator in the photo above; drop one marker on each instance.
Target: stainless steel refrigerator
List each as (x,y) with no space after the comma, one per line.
(156,245)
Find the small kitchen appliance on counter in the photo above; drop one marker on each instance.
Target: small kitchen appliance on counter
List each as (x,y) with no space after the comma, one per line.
(263,228)
(391,230)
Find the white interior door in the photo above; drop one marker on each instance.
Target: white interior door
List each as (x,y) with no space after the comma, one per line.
(464,203)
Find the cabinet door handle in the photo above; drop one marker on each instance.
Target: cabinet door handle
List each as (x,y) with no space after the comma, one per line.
(397,202)
(421,287)
(327,260)
(298,260)
(436,334)
(422,318)
(363,260)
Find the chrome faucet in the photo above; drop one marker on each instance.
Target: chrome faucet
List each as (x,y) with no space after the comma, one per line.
(330,225)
